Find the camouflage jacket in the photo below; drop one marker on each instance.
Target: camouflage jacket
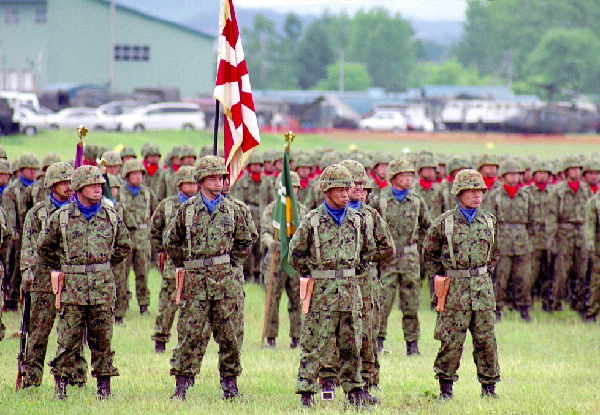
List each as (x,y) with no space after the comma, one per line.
(69,239)
(432,197)
(473,247)
(155,183)
(515,218)
(137,212)
(39,192)
(385,247)
(35,276)
(591,228)
(540,199)
(267,230)
(267,191)
(162,216)
(16,201)
(4,243)
(196,234)
(449,201)
(314,195)
(167,188)
(320,244)
(247,190)
(567,209)
(247,216)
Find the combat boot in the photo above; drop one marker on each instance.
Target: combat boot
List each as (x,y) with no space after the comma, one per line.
(488,391)
(412,349)
(118,321)
(370,399)
(103,383)
(271,342)
(307,400)
(524,311)
(445,390)
(498,314)
(182,383)
(294,343)
(328,389)
(230,388)
(357,398)
(380,341)
(144,310)
(60,387)
(159,347)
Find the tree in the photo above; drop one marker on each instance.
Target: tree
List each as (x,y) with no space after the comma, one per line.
(314,54)
(356,77)
(260,43)
(450,72)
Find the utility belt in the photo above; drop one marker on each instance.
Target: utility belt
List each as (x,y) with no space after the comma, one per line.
(410,249)
(333,274)
(467,273)
(570,225)
(441,284)
(83,269)
(207,262)
(512,225)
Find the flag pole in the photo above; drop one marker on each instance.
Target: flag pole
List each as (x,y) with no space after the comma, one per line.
(216,127)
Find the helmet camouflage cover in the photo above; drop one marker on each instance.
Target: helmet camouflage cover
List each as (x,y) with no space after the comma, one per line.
(5,167)
(510,166)
(356,169)
(468,179)
(185,174)
(333,176)
(112,159)
(58,172)
(127,152)
(28,161)
(49,159)
(132,165)
(295,179)
(150,149)
(400,166)
(210,166)
(85,176)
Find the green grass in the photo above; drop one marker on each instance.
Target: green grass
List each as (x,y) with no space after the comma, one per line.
(548,367)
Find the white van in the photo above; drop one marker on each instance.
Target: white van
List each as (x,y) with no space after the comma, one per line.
(163,116)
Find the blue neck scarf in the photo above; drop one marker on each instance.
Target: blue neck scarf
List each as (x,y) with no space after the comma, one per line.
(400,195)
(355,204)
(469,214)
(135,190)
(2,190)
(183,198)
(338,215)
(89,211)
(211,204)
(57,202)
(24,181)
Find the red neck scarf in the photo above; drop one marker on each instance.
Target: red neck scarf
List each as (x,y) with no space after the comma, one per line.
(256,177)
(88,162)
(574,186)
(450,179)
(175,167)
(439,179)
(150,168)
(304,183)
(380,182)
(267,173)
(276,173)
(541,186)
(425,184)
(511,190)
(489,182)
(594,188)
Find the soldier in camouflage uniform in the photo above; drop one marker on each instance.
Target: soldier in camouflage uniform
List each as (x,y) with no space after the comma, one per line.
(267,184)
(153,177)
(302,166)
(513,209)
(90,155)
(314,197)
(455,165)
(112,163)
(407,216)
(592,245)
(460,245)
(5,174)
(166,188)
(281,280)
(4,242)
(83,239)
(138,202)
(331,246)
(427,186)
(591,174)
(36,279)
(127,153)
(16,201)
(208,238)
(39,192)
(162,216)
(566,239)
(488,166)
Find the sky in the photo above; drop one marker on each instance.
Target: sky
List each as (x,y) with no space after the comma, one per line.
(414,9)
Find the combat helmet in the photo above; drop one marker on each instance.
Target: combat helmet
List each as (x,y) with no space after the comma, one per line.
(5,167)
(206,151)
(85,176)
(128,152)
(150,149)
(328,159)
(58,172)
(28,161)
(486,160)
(255,158)
(133,165)
(381,158)
(400,166)
(592,164)
(187,151)
(302,160)
(295,179)
(185,174)
(333,176)
(510,166)
(113,180)
(457,163)
(210,166)
(112,159)
(90,151)
(571,161)
(542,165)
(49,159)
(426,161)
(468,179)
(359,174)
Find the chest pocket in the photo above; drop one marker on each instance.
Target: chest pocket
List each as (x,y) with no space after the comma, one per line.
(319,238)
(455,238)
(43,217)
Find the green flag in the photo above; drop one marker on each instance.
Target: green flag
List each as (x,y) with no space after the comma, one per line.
(285,219)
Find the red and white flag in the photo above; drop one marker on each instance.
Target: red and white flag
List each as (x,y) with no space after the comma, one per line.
(240,127)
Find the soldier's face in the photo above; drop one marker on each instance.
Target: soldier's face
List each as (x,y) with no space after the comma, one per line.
(364,196)
(212,186)
(62,190)
(337,197)
(4,178)
(303,171)
(135,178)
(175,161)
(296,190)
(403,180)
(188,161)
(124,159)
(511,179)
(112,170)
(381,170)
(268,166)
(441,170)
(114,191)
(573,174)
(541,177)
(90,194)
(471,199)
(427,173)
(591,177)
(29,173)
(189,189)
(254,168)
(355,193)
(152,160)
(489,171)
(226,187)
(278,165)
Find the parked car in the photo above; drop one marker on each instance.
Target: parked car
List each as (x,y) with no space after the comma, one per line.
(73,118)
(32,121)
(107,114)
(384,121)
(163,116)
(7,125)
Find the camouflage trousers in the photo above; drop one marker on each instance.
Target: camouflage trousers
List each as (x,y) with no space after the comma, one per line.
(2,326)
(570,269)
(541,275)
(166,311)
(13,293)
(41,321)
(222,317)
(121,296)
(402,277)
(73,321)
(139,259)
(516,268)
(594,290)
(291,285)
(323,332)
(451,330)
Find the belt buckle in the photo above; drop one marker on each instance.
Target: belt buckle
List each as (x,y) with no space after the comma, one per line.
(207,262)
(339,273)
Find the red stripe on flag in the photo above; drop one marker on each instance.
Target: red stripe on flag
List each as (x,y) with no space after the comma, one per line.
(231,32)
(230,73)
(249,141)
(247,100)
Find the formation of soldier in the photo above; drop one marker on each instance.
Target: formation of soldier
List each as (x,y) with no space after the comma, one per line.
(485,234)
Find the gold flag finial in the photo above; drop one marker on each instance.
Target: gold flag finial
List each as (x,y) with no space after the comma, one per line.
(289,138)
(82,131)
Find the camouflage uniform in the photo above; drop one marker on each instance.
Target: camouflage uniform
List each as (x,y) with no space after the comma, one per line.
(332,255)
(407,220)
(153,181)
(4,242)
(39,192)
(137,211)
(592,244)
(84,250)
(470,304)
(209,246)
(314,196)
(303,161)
(455,164)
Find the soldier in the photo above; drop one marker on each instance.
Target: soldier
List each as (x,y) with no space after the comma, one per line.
(591,174)
(381,162)
(541,271)
(566,238)
(16,201)
(5,173)
(127,153)
(455,165)
(153,177)
(407,216)
(332,245)
(112,162)
(267,184)
(282,281)
(187,156)
(36,278)
(460,245)
(513,209)
(162,216)
(90,155)
(314,198)
(83,239)
(3,155)
(427,186)
(487,165)
(208,238)
(38,190)
(592,244)
(138,202)
(302,166)
(166,187)
(4,242)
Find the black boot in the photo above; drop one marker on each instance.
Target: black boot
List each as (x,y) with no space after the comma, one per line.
(271,343)
(103,383)
(60,387)
(445,390)
(412,349)
(370,399)
(182,383)
(294,343)
(230,388)
(307,400)
(488,391)
(144,310)
(380,341)
(498,314)
(118,321)
(524,311)
(328,389)
(159,347)
(358,398)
